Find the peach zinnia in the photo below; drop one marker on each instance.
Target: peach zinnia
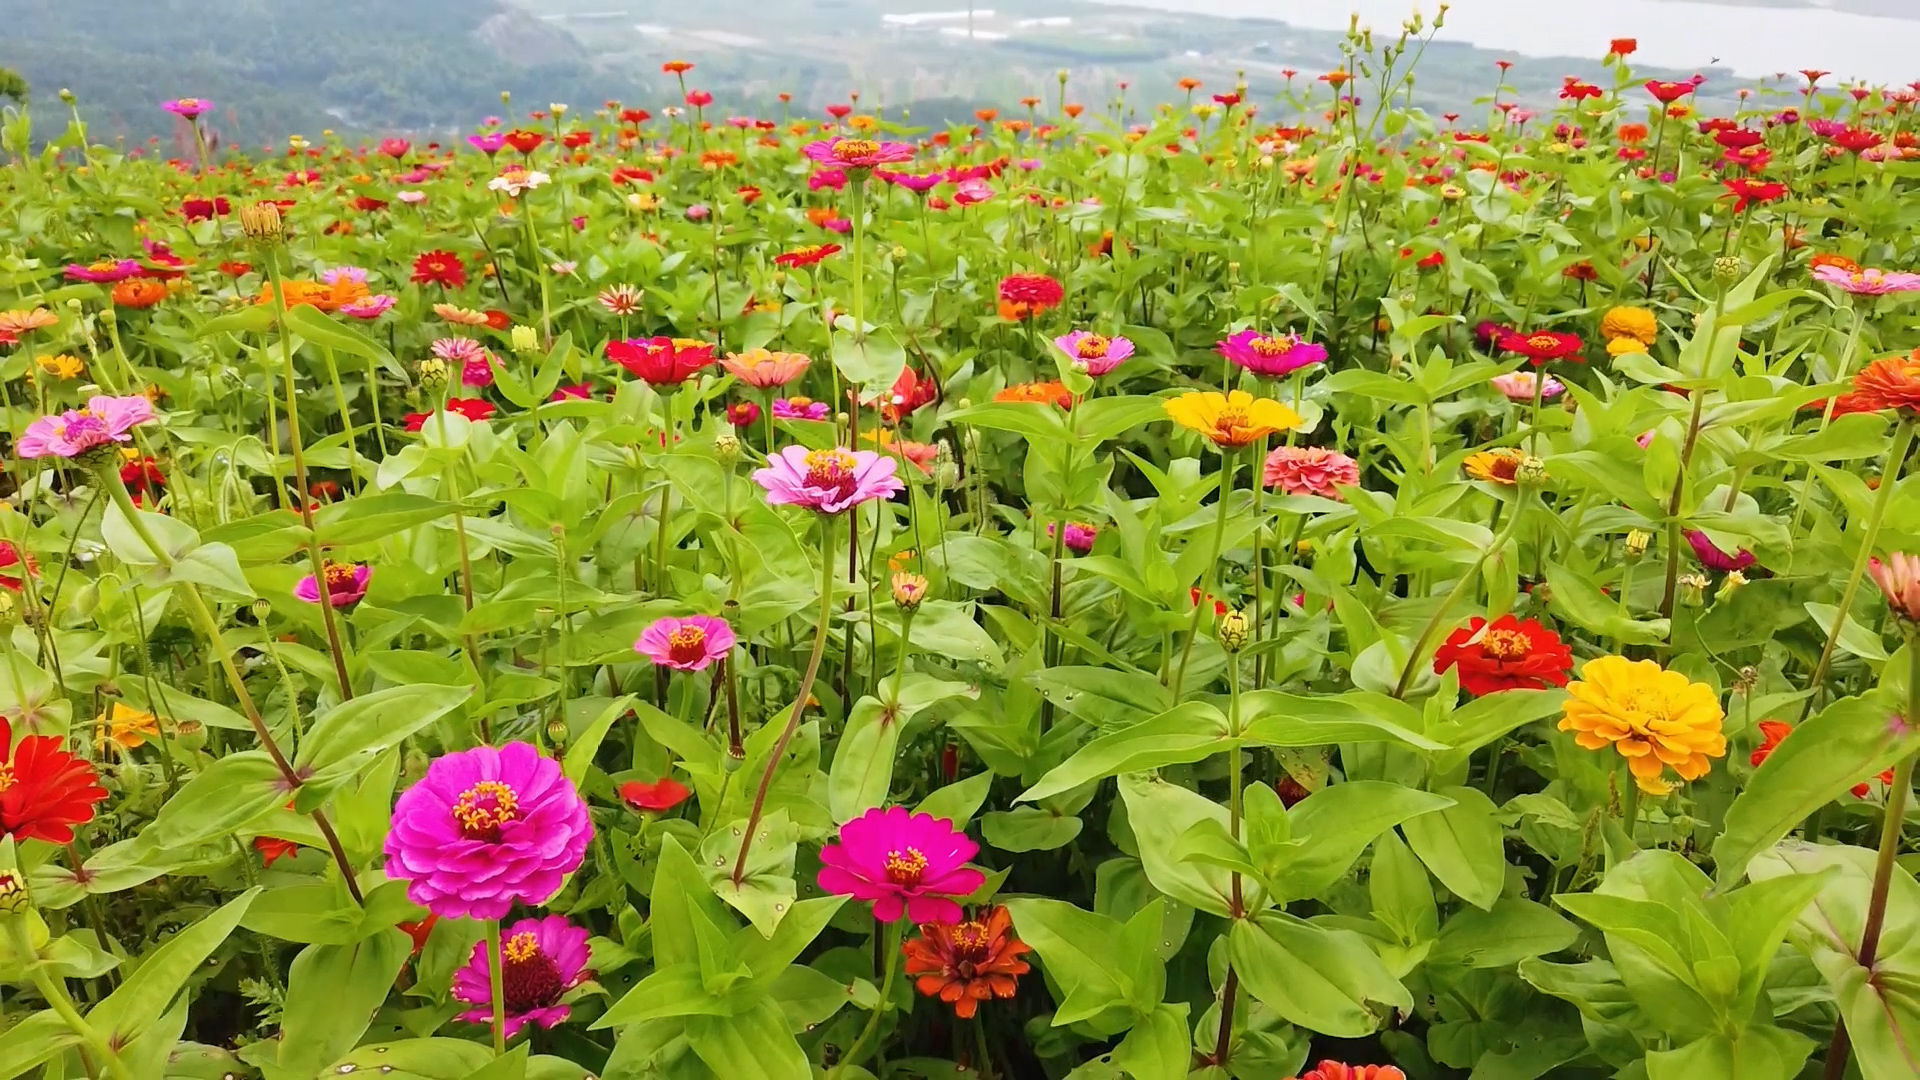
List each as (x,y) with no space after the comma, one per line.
(763,369)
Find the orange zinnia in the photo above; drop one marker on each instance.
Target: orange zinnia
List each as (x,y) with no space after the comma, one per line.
(1892,383)
(1841,261)
(139,292)
(1037,393)
(316,294)
(967,963)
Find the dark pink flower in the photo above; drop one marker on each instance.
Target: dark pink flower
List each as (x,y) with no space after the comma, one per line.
(688,644)
(1713,558)
(910,864)
(346,584)
(1271,354)
(540,960)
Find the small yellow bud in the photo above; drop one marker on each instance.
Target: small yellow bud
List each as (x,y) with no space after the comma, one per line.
(262,224)
(908,590)
(726,447)
(1637,541)
(526,339)
(1233,629)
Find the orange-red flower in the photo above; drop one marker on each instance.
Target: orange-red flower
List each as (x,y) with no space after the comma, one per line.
(1892,383)
(1775,732)
(1506,654)
(139,293)
(966,963)
(1826,259)
(44,791)
(325,296)
(1024,295)
(1334,1070)
(1037,393)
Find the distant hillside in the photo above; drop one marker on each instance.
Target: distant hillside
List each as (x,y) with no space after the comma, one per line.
(274,68)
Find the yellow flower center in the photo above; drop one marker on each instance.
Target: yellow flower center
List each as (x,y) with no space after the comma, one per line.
(1271,346)
(854,149)
(483,808)
(971,942)
(1091,347)
(6,776)
(829,468)
(1505,644)
(105,265)
(1543,342)
(687,644)
(519,948)
(904,866)
(798,402)
(338,574)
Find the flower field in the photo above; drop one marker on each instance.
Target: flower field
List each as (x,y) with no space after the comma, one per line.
(1295,587)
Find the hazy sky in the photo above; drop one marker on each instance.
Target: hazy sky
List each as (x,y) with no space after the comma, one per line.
(1754,41)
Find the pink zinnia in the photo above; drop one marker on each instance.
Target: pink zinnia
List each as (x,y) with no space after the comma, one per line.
(1713,558)
(1867,282)
(489,143)
(1079,537)
(857,153)
(829,481)
(346,585)
(1277,354)
(799,408)
(371,308)
(102,422)
(104,272)
(1518,386)
(486,829)
(540,960)
(970,192)
(1310,470)
(903,863)
(1899,581)
(188,107)
(688,644)
(1097,353)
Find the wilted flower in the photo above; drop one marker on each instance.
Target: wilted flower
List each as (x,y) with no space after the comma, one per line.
(686,644)
(903,863)
(1652,717)
(124,726)
(540,960)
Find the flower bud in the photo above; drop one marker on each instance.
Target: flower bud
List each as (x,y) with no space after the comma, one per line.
(9,611)
(191,735)
(726,448)
(261,222)
(526,340)
(557,734)
(1233,630)
(1531,470)
(1637,540)
(1734,580)
(66,95)
(1726,269)
(1899,581)
(908,590)
(558,108)
(733,758)
(506,96)
(1693,589)
(431,372)
(13,893)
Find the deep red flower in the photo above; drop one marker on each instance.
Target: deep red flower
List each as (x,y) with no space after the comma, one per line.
(525,141)
(498,320)
(142,476)
(1540,346)
(367,204)
(472,408)
(1575,90)
(1747,192)
(661,361)
(1334,1070)
(439,267)
(907,394)
(658,797)
(1669,92)
(1738,138)
(44,791)
(197,209)
(1856,140)
(742,414)
(235,269)
(1026,295)
(627,174)
(575,139)
(806,256)
(1507,654)
(1623,46)
(1219,605)
(10,557)
(635,116)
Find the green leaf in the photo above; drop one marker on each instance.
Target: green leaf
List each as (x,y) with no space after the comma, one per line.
(1160,815)
(579,757)
(150,989)
(1757,1053)
(871,363)
(1512,931)
(958,801)
(1157,1046)
(376,517)
(680,899)
(1192,731)
(1281,719)
(675,990)
(1400,892)
(1484,719)
(1846,743)
(1318,978)
(753,1042)
(1330,828)
(766,890)
(1029,828)
(333,992)
(1077,948)
(35,1040)
(862,770)
(227,795)
(248,320)
(215,566)
(318,327)
(415,1059)
(176,537)
(1035,422)
(353,733)
(1462,845)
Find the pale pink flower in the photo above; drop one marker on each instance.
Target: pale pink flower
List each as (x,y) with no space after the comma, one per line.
(1518,386)
(1310,470)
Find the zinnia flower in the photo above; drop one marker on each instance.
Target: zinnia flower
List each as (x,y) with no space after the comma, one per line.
(1496,466)
(1899,581)
(904,864)
(1230,420)
(1867,282)
(1094,352)
(540,960)
(514,181)
(1506,654)
(1036,393)
(1630,322)
(437,267)
(1541,345)
(1079,536)
(486,829)
(764,370)
(1309,470)
(102,422)
(346,584)
(45,791)
(1275,354)
(1652,717)
(622,299)
(1025,295)
(857,153)
(104,272)
(10,557)
(1892,383)
(1775,732)
(1334,1070)
(799,408)
(828,481)
(805,256)
(688,644)
(1519,385)
(27,320)
(124,726)
(661,361)
(138,293)
(1713,558)
(658,797)
(187,106)
(964,964)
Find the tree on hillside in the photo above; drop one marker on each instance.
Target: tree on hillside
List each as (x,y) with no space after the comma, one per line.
(12,85)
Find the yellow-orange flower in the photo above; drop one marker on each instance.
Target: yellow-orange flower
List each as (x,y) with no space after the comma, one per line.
(1495,466)
(1621,346)
(61,366)
(1037,393)
(125,726)
(1630,322)
(460,316)
(1230,420)
(139,292)
(326,297)
(1652,717)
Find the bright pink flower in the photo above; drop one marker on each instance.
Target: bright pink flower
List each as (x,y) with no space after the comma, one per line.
(1713,558)
(187,106)
(970,192)
(540,960)
(799,408)
(104,272)
(1310,470)
(346,584)
(1099,354)
(489,143)
(1079,537)
(371,308)
(1265,354)
(828,481)
(102,422)
(902,863)
(486,829)
(1867,282)
(1518,386)
(688,644)
(857,153)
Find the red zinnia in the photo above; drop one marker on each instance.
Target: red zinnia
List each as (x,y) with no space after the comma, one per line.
(1507,654)
(1334,1070)
(907,394)
(661,361)
(273,849)
(44,791)
(661,795)
(439,267)
(1774,732)
(525,141)
(966,963)
(1747,192)
(1540,346)
(806,256)
(1026,295)
(11,557)
(1623,46)
(1856,140)
(1669,92)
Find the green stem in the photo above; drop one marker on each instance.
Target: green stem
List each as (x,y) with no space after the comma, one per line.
(1826,414)
(885,1004)
(498,987)
(1889,479)
(1210,578)
(55,991)
(1453,595)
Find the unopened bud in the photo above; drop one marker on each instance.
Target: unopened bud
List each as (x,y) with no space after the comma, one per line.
(1637,541)
(1726,269)
(9,610)
(526,339)
(1693,589)
(66,95)
(1531,470)
(191,735)
(506,96)
(908,591)
(557,733)
(431,372)
(13,893)
(1233,630)
(558,108)
(726,447)
(262,224)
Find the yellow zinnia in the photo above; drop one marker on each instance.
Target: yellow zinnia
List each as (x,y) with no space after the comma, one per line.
(1621,346)
(125,726)
(1496,466)
(1653,717)
(61,366)
(1231,420)
(1630,322)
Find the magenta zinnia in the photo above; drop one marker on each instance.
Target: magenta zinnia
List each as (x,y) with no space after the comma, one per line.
(102,422)
(912,864)
(486,829)
(346,584)
(857,153)
(688,644)
(829,481)
(540,960)
(1271,354)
